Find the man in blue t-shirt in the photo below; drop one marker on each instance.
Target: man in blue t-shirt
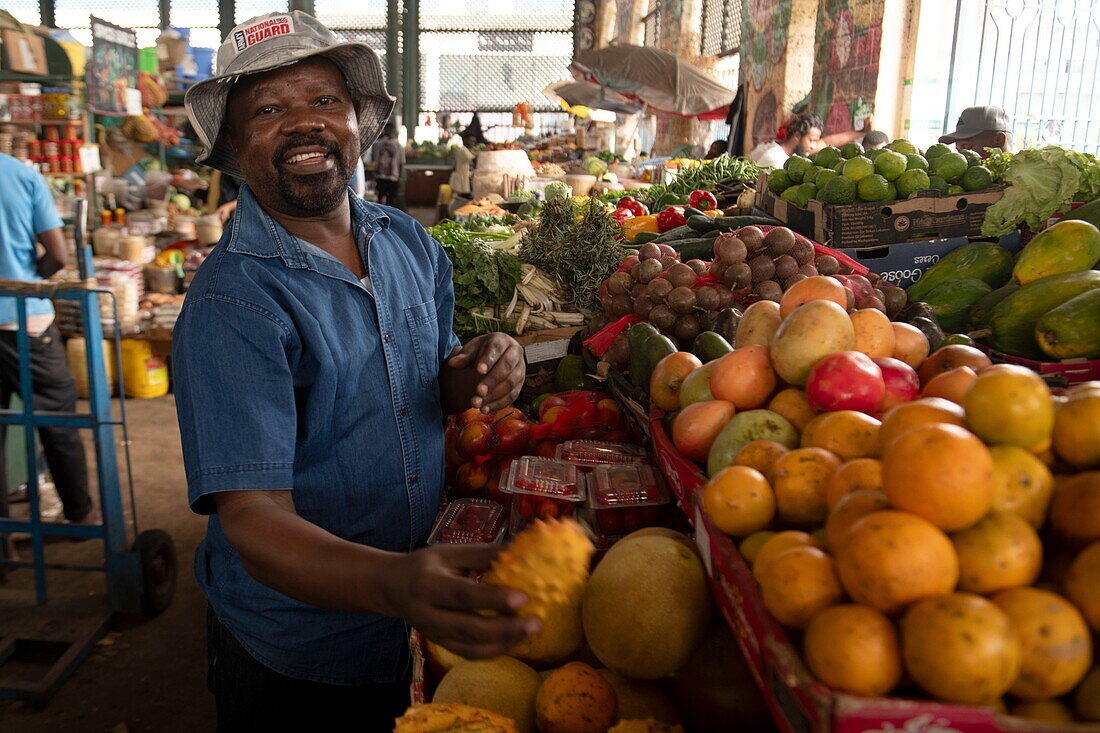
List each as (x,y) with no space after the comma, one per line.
(28,219)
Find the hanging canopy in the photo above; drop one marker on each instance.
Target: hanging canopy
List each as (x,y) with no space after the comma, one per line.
(656,78)
(587,94)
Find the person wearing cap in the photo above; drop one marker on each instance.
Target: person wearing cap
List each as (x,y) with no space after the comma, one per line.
(875,140)
(314,362)
(979,128)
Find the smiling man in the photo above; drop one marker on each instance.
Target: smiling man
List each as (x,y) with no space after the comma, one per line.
(314,362)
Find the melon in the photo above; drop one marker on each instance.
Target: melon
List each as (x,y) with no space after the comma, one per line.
(503,685)
(646,607)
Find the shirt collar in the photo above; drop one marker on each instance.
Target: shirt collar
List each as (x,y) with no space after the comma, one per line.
(253,232)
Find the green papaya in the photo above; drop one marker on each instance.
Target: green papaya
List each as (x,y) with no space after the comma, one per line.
(709,346)
(986,261)
(983,309)
(1072,330)
(1014,319)
(637,337)
(1068,246)
(1090,212)
(952,301)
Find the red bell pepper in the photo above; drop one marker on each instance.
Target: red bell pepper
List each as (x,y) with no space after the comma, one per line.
(702,200)
(671,218)
(633,205)
(620,215)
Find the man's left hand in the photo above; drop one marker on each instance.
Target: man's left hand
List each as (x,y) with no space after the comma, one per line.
(499,360)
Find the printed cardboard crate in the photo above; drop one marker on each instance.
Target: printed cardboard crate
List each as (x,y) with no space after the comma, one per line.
(903,263)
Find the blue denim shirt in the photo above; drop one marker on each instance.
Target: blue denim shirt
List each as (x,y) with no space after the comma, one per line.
(291,375)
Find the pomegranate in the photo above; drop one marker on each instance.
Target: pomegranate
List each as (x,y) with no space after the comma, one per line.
(846,380)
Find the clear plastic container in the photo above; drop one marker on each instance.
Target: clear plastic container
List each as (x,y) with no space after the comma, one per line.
(470,521)
(587,454)
(624,498)
(542,488)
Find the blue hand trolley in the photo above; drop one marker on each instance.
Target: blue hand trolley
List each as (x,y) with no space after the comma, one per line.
(141,577)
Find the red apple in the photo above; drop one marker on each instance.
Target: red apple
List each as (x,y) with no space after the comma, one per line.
(902,382)
(511,436)
(549,403)
(474,440)
(846,380)
(471,479)
(472,415)
(506,413)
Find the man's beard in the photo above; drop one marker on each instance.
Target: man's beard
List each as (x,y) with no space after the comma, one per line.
(803,149)
(313,194)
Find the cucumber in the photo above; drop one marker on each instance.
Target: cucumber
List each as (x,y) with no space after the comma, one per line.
(697,248)
(642,237)
(1014,319)
(952,301)
(680,232)
(728,223)
(690,211)
(709,346)
(1072,330)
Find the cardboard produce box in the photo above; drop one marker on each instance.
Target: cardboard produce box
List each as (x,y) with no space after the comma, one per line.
(866,224)
(24,52)
(903,263)
(797,700)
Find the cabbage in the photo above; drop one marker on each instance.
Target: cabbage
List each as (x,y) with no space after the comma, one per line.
(522,196)
(1041,183)
(557,190)
(594,166)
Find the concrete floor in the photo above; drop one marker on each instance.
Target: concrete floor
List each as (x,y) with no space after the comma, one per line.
(147,674)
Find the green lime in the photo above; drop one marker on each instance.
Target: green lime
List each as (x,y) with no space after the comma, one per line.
(838,190)
(890,165)
(891,191)
(953,190)
(791,192)
(935,151)
(949,166)
(873,153)
(839,167)
(851,150)
(937,183)
(973,158)
(976,178)
(916,162)
(537,402)
(873,188)
(778,181)
(828,157)
(901,145)
(858,167)
(812,173)
(912,181)
(796,167)
(824,177)
(803,194)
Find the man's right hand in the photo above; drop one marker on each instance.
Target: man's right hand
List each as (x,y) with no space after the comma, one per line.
(431,589)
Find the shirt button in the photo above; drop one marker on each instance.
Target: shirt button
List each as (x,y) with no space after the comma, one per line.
(403,412)
(388,337)
(414,479)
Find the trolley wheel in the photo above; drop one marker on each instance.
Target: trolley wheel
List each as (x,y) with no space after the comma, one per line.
(159,570)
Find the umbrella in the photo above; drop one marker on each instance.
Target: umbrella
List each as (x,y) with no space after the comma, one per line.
(656,78)
(586,94)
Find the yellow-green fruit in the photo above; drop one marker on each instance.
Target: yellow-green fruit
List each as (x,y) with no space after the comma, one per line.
(640,700)
(1068,246)
(646,607)
(548,562)
(503,685)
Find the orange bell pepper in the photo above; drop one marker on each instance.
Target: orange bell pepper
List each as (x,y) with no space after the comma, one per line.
(714,212)
(635,226)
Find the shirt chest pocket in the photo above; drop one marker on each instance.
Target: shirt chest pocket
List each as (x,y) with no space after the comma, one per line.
(424,331)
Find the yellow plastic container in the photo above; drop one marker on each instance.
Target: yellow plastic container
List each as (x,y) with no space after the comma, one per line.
(143,374)
(78,365)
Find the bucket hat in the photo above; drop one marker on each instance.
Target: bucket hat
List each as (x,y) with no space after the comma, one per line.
(272,41)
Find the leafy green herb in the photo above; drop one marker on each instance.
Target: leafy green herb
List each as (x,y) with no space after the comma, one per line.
(577,246)
(482,276)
